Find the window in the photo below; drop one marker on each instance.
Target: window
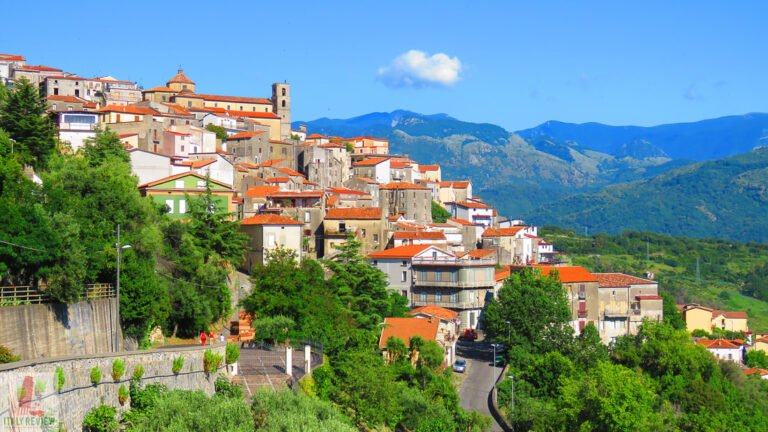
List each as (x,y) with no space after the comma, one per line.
(438,296)
(375,238)
(423,296)
(403,276)
(77,92)
(118,118)
(189,104)
(228,107)
(241,107)
(53,107)
(307,217)
(342,227)
(69,107)
(169,204)
(283,91)
(271,240)
(404,263)
(135,118)
(283,104)
(182,206)
(179,184)
(362,232)
(438,276)
(182,148)
(454,297)
(201,184)
(404,293)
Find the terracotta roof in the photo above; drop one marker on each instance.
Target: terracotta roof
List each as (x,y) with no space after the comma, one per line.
(394,218)
(367,180)
(269,219)
(758,371)
(235,113)
(245,135)
(473,204)
(11,57)
(405,328)
(277,179)
(189,94)
(180,78)
(730,314)
(269,163)
(90,104)
(402,185)
(455,184)
(161,89)
(399,164)
(199,163)
(425,168)
(290,172)
(568,274)
(178,109)
(345,191)
(502,232)
(435,311)
(717,344)
(331,145)
(236,99)
(260,191)
(62,98)
(611,280)
(369,213)
(419,235)
(408,251)
(180,175)
(461,221)
(128,109)
(315,136)
(128,135)
(502,274)
(370,161)
(40,68)
(177,133)
(480,253)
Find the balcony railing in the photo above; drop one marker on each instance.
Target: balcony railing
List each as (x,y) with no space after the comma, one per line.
(455,284)
(446,304)
(454,261)
(615,311)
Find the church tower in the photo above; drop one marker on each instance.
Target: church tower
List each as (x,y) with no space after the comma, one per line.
(281,105)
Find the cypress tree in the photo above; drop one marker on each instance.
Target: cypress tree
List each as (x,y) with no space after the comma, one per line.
(23,117)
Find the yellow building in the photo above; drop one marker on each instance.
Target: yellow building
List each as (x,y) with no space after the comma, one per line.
(761,344)
(699,317)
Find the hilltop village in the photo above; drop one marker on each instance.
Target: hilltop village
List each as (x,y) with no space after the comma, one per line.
(441,246)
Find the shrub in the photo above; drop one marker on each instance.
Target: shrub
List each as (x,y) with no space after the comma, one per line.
(211,361)
(178,363)
(224,387)
(101,419)
(95,375)
(122,394)
(138,372)
(118,369)
(60,380)
(233,352)
(6,356)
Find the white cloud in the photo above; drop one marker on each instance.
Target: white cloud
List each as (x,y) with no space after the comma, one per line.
(418,69)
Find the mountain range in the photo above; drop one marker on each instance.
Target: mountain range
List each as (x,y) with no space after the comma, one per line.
(562,172)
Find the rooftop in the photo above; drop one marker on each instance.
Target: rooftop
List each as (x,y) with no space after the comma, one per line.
(354,213)
(612,280)
(269,219)
(435,311)
(406,328)
(408,251)
(568,274)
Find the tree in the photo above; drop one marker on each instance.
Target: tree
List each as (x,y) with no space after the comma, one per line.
(588,348)
(672,315)
(101,419)
(439,214)
(23,116)
(103,146)
(221,133)
(535,308)
(757,359)
(284,410)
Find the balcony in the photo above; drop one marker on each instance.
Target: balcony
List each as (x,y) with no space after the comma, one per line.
(615,311)
(455,284)
(582,314)
(78,126)
(446,304)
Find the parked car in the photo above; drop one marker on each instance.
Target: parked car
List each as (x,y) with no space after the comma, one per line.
(459,366)
(469,335)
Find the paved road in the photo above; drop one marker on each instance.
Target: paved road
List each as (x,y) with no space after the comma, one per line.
(480,377)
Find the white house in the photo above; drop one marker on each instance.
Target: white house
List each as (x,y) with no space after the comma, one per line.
(148,166)
(723,349)
(213,165)
(476,212)
(77,126)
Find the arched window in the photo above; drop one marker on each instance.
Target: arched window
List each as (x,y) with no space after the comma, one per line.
(283,91)
(283,104)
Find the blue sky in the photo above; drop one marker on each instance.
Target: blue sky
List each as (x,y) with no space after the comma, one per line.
(516,64)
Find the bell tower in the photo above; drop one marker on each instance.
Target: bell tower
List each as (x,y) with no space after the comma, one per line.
(281,106)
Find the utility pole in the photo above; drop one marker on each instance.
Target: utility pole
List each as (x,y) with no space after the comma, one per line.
(119,248)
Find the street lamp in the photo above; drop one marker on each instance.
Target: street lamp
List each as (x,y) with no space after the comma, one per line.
(493,367)
(13,141)
(119,248)
(512,378)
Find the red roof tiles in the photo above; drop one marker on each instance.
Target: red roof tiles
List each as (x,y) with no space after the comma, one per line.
(611,280)
(355,213)
(402,185)
(269,219)
(245,135)
(436,311)
(408,251)
(406,328)
(260,191)
(502,232)
(180,78)
(568,274)
(419,235)
(370,161)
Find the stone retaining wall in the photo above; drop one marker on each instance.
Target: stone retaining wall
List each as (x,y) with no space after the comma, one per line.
(78,395)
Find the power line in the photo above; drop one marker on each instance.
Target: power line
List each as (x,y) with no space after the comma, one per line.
(23,247)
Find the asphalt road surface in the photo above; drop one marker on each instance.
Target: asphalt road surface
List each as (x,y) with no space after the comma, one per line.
(481,376)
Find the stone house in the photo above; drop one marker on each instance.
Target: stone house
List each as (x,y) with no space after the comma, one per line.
(267,232)
(624,301)
(365,223)
(414,202)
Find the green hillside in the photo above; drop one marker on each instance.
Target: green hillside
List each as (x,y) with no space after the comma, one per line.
(725,198)
(723,266)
